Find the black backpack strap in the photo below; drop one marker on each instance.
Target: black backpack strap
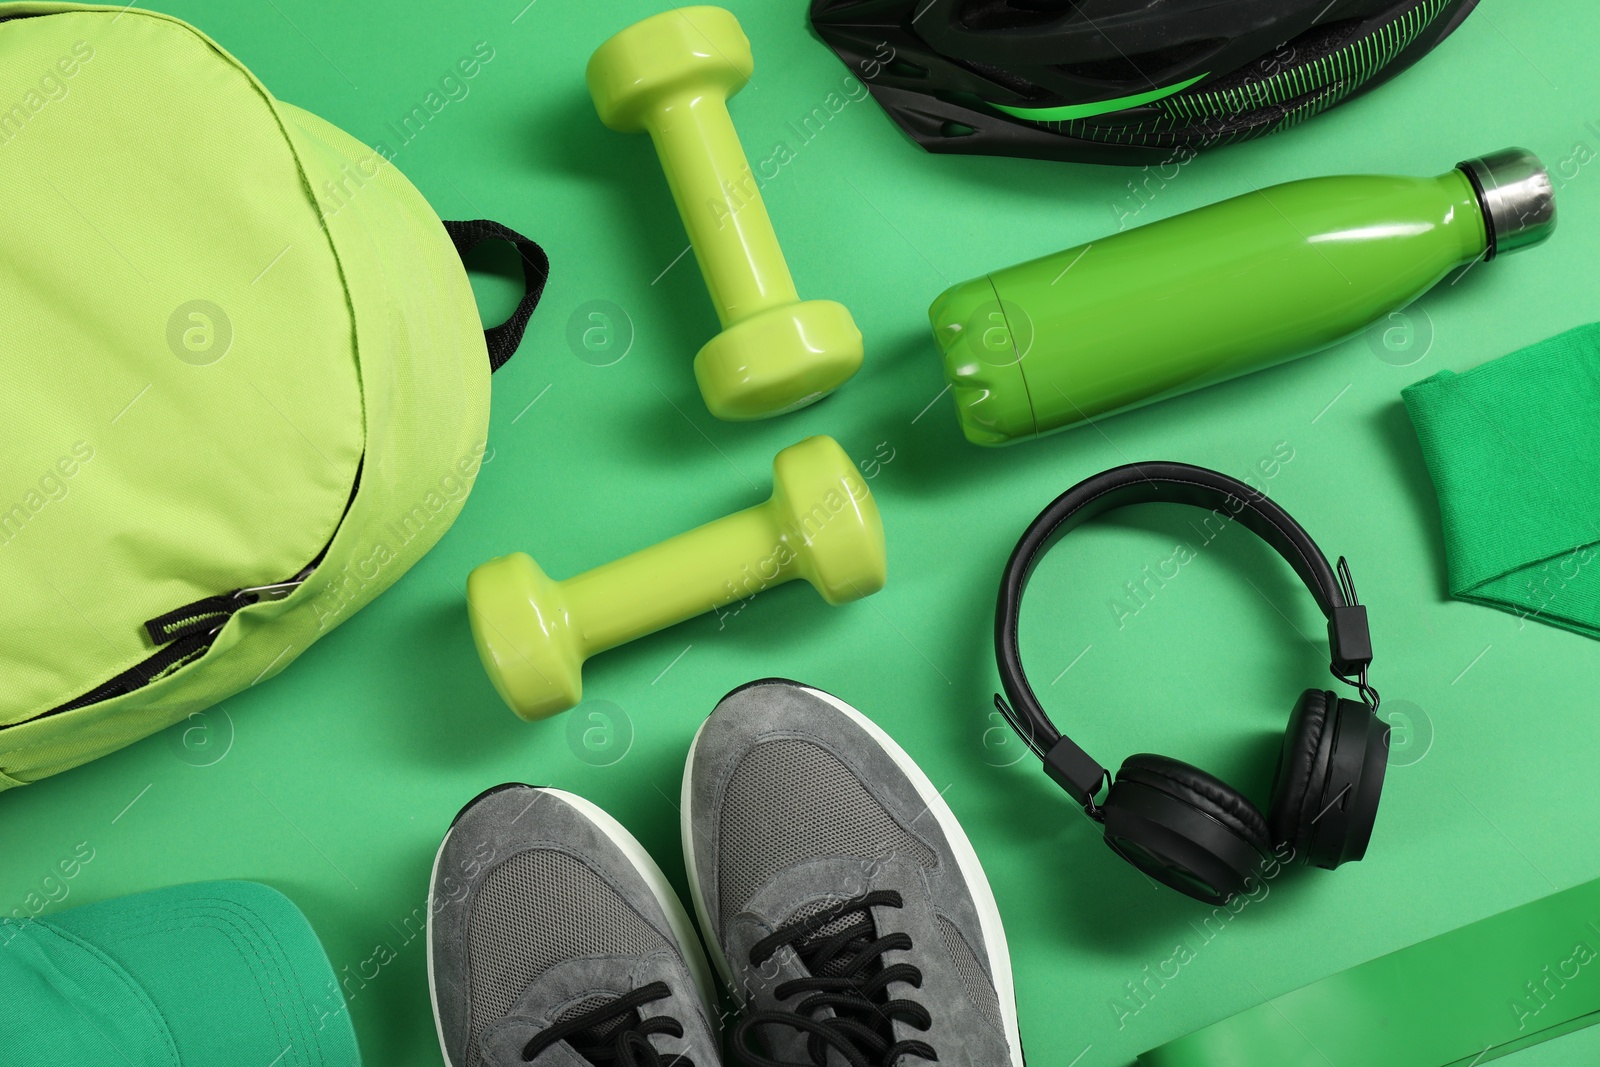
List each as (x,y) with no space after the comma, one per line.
(504,338)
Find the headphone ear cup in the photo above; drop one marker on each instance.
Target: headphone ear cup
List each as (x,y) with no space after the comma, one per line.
(1329,780)
(1302,765)
(1185,828)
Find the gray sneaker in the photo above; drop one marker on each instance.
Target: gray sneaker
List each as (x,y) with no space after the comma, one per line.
(554,939)
(849,912)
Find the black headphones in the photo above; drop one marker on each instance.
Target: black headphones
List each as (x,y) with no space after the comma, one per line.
(1173,821)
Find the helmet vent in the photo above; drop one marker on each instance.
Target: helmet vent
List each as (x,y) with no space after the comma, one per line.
(1324,40)
(1306,49)
(1009,80)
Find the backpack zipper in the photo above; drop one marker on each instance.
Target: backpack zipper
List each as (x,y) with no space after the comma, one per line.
(208,615)
(184,635)
(187,633)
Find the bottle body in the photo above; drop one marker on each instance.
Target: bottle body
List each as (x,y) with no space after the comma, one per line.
(1197,299)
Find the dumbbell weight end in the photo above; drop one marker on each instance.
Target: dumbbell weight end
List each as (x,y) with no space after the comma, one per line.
(779,360)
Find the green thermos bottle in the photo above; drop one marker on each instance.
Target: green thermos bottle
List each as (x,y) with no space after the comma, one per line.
(1221,291)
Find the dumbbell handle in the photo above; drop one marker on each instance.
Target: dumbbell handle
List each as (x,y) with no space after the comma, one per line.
(730,230)
(704,569)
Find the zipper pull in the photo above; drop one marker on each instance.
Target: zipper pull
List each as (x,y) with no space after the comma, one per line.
(255,594)
(208,615)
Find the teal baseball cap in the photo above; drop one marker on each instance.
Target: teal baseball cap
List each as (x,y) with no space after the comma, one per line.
(216,974)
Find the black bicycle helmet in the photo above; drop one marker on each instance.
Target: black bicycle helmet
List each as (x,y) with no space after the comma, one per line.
(1121,81)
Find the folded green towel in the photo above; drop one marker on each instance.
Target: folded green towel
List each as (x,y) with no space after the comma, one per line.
(1514,450)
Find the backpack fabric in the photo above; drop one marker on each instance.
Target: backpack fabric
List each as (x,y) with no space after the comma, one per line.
(243,381)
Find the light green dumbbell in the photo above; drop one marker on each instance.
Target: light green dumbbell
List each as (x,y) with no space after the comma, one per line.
(533,633)
(672,75)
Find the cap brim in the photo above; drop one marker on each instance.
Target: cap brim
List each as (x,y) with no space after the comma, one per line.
(233,968)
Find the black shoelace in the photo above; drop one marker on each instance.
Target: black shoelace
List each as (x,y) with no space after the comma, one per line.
(613,1033)
(842,950)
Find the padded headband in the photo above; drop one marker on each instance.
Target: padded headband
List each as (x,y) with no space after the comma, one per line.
(1171,483)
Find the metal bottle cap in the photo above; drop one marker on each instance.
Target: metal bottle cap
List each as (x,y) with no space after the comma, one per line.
(1518,201)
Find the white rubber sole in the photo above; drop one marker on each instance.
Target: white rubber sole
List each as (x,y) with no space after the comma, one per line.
(994,934)
(683,931)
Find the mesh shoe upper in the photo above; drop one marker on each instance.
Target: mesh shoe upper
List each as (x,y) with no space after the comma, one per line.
(542,890)
(550,941)
(844,901)
(769,820)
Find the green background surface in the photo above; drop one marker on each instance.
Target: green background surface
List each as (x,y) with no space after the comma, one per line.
(335,781)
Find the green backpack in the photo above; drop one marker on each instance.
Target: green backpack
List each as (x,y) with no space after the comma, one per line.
(243,379)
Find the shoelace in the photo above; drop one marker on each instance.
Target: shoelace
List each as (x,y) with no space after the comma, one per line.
(848,976)
(625,1043)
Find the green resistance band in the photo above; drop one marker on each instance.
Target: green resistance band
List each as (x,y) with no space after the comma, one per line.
(1465,997)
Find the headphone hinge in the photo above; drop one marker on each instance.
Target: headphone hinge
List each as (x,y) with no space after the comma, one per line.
(1350,640)
(1075,771)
